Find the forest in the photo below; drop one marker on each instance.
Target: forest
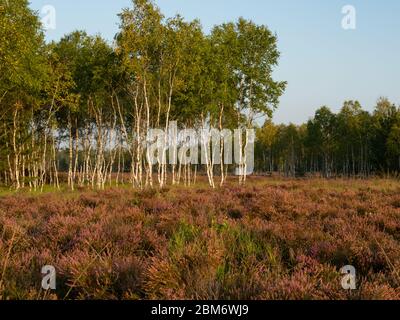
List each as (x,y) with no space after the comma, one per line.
(76,111)
(351,143)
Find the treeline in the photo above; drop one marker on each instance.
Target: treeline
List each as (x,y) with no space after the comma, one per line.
(352,143)
(83,106)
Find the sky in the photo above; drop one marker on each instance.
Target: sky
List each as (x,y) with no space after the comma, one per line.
(323,63)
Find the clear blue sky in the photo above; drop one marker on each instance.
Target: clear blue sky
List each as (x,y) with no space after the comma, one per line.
(323,64)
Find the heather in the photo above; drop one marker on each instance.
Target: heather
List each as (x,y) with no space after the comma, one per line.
(271,239)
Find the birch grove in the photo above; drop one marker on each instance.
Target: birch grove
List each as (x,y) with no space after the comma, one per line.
(78,111)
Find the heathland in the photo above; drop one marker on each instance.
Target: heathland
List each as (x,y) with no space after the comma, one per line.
(271,239)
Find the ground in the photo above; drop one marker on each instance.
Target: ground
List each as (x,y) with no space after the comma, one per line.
(271,239)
